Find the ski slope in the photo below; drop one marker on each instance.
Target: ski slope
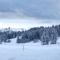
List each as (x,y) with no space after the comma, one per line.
(29,51)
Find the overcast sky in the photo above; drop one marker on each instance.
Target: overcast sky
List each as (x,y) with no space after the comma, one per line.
(29,13)
(26,23)
(43,9)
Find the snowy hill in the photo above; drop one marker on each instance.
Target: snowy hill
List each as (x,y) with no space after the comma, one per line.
(29,51)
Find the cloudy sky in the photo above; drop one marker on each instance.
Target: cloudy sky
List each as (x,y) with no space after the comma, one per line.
(26,23)
(45,9)
(29,13)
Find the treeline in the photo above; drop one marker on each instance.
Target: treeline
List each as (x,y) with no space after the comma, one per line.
(47,35)
(6,36)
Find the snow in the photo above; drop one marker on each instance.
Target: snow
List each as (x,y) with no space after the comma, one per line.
(29,51)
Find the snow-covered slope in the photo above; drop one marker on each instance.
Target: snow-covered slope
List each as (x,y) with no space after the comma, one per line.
(29,51)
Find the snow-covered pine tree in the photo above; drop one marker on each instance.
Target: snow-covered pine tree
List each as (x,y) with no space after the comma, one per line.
(53,35)
(45,37)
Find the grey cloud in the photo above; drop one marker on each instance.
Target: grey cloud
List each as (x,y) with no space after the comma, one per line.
(46,9)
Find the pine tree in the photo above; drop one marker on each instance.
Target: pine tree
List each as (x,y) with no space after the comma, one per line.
(53,35)
(45,37)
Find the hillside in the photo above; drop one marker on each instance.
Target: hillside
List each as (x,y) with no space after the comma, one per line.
(29,51)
